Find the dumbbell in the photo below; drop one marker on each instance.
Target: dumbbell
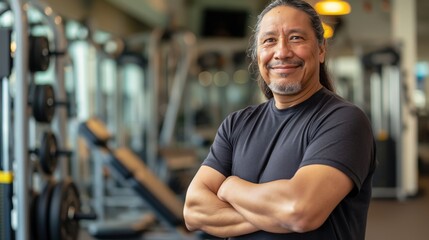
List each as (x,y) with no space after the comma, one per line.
(43,102)
(48,153)
(40,53)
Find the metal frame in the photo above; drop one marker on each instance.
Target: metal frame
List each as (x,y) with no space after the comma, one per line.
(20,143)
(156,50)
(389,85)
(55,23)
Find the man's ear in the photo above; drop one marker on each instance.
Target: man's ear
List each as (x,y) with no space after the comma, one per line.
(322,51)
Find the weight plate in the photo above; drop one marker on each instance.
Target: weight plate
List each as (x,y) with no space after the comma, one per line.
(42,212)
(65,203)
(33,219)
(48,153)
(43,103)
(39,54)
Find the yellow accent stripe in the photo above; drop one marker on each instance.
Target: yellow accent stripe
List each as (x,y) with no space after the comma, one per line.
(6,177)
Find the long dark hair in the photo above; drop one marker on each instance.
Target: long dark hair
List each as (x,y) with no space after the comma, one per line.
(316,23)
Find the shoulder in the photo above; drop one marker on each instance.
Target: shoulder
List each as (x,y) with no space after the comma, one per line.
(333,114)
(247,113)
(236,121)
(336,106)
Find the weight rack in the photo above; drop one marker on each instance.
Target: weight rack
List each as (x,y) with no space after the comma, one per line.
(38,215)
(20,125)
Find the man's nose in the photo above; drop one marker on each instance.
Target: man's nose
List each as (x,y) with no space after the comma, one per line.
(283,50)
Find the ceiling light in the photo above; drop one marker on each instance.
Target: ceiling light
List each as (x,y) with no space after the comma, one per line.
(332,7)
(329,31)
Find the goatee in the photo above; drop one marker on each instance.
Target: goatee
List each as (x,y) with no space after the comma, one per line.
(285,89)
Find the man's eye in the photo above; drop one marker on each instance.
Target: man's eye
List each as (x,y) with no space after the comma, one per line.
(295,37)
(268,40)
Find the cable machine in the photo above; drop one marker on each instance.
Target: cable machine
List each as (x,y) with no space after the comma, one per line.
(166,85)
(384,100)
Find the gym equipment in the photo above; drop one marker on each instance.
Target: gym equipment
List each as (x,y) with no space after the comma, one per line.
(43,102)
(20,120)
(95,132)
(6,170)
(161,199)
(44,216)
(53,214)
(385,96)
(65,211)
(39,56)
(57,47)
(40,53)
(105,228)
(48,152)
(147,185)
(57,212)
(5,56)
(122,229)
(42,212)
(132,169)
(6,179)
(34,197)
(166,48)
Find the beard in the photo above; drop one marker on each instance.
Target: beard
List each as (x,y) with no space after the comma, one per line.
(288,88)
(285,89)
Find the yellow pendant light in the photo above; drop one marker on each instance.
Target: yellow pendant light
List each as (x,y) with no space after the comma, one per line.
(329,31)
(333,7)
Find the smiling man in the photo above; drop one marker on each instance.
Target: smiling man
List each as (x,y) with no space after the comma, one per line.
(298,166)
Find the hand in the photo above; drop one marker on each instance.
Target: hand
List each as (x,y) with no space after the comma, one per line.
(226,187)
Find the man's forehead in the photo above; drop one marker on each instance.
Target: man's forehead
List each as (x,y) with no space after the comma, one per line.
(284,16)
(285,13)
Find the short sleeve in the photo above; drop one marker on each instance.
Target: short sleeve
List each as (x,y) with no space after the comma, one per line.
(220,154)
(343,139)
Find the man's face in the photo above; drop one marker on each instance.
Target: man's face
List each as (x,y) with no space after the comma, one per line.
(288,52)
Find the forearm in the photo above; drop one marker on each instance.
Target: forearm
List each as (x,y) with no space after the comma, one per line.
(203,210)
(211,215)
(259,204)
(300,204)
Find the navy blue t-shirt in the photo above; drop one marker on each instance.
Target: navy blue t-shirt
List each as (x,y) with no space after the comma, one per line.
(262,143)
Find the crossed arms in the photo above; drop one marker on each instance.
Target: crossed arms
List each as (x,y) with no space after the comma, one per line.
(231,206)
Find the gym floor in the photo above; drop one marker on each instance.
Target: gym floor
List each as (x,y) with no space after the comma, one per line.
(398,220)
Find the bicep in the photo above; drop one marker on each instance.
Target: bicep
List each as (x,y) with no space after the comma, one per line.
(300,204)
(318,190)
(346,143)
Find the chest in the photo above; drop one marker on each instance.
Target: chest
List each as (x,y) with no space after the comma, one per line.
(268,149)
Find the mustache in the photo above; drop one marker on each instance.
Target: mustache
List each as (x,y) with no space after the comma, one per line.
(286,62)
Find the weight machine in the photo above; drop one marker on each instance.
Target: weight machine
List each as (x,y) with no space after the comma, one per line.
(127,166)
(162,86)
(166,86)
(385,96)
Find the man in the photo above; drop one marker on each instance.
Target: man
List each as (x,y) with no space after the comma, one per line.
(298,166)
